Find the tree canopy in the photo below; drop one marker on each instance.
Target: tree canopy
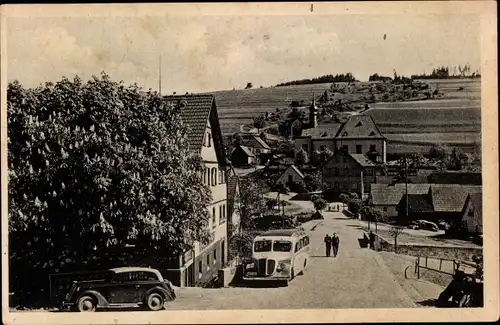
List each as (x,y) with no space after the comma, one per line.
(99,164)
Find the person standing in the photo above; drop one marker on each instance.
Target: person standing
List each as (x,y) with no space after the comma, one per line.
(372,240)
(328,244)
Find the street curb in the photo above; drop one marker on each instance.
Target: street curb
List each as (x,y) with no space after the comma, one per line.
(314,227)
(402,293)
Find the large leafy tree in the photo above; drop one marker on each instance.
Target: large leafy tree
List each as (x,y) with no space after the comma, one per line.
(96,165)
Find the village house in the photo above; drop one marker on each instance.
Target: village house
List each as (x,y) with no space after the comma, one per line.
(242,156)
(386,197)
(350,172)
(257,146)
(472,214)
(358,135)
(291,177)
(202,263)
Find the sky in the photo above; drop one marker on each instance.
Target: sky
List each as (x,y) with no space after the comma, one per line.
(208,53)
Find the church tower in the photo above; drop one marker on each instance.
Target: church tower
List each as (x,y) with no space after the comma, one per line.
(313,114)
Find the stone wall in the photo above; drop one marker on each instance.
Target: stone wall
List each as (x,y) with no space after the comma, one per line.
(437,251)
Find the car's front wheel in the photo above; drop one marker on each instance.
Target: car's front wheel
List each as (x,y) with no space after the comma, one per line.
(86,304)
(155,301)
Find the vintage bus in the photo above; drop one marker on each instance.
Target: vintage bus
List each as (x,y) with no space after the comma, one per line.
(278,255)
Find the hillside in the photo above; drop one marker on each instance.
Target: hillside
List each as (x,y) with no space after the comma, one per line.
(409,124)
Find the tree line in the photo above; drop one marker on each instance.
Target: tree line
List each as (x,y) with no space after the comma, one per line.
(348,77)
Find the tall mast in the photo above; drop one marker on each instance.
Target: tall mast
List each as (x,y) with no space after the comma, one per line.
(159,77)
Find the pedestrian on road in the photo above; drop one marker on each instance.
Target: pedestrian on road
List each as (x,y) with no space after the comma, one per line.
(372,240)
(336,241)
(334,244)
(328,244)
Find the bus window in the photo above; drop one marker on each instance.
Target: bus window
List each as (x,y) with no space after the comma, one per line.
(262,246)
(282,246)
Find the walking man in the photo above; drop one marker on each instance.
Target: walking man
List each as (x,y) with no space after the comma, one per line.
(336,241)
(334,244)
(328,244)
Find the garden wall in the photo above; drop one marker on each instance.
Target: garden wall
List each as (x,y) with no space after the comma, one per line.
(437,251)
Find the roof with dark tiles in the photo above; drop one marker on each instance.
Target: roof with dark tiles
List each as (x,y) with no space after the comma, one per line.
(359,126)
(195,114)
(385,194)
(451,197)
(197,110)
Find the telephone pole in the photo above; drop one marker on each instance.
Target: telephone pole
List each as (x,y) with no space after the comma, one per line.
(406,185)
(159,76)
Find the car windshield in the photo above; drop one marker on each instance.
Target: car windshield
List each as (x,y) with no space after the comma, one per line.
(282,246)
(262,246)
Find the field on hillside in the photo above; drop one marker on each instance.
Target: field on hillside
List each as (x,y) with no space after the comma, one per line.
(454,118)
(414,126)
(237,107)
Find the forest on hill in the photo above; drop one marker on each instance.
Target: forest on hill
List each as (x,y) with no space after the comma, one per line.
(348,77)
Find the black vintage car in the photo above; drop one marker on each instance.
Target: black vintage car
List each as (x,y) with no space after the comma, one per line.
(121,287)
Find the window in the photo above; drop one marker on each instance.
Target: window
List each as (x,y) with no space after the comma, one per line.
(359,148)
(209,139)
(322,148)
(282,246)
(214,176)
(215,255)
(262,246)
(305,147)
(369,172)
(290,179)
(470,213)
(222,251)
(208,262)
(213,217)
(373,147)
(134,276)
(345,147)
(222,214)
(200,267)
(385,209)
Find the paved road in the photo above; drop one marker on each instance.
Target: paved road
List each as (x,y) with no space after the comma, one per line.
(356,278)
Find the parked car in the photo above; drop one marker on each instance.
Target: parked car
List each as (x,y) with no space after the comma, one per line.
(427,225)
(120,288)
(443,225)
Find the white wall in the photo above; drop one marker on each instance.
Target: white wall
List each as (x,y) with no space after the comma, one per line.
(283,179)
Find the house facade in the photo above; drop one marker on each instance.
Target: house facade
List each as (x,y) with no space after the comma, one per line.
(291,176)
(358,135)
(257,146)
(472,214)
(242,156)
(432,202)
(386,198)
(202,262)
(346,172)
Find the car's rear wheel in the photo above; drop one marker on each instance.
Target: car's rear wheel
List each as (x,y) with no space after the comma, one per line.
(87,304)
(155,301)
